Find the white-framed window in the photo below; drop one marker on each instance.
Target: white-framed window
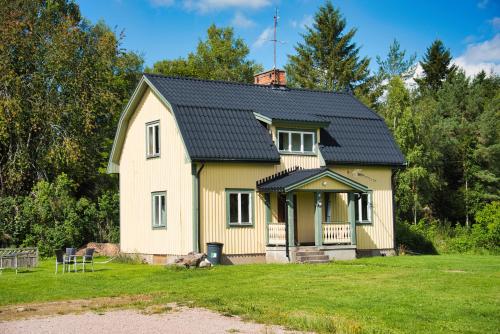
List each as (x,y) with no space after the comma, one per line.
(296,141)
(159,209)
(239,207)
(363,207)
(153,139)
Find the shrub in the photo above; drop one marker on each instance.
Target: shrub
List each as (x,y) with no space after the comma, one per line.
(52,217)
(413,239)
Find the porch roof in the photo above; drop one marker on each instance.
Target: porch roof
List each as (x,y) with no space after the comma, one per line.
(293,179)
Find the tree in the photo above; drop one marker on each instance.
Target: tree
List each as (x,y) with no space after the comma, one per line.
(410,123)
(328,59)
(395,63)
(436,66)
(220,57)
(64,83)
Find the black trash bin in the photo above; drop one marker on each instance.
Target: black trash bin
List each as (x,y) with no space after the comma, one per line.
(214,252)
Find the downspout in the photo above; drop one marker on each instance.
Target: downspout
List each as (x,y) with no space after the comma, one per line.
(198,199)
(393,177)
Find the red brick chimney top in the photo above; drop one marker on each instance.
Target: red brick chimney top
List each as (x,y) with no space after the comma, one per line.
(274,77)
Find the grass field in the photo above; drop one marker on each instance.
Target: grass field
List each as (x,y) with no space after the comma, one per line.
(424,294)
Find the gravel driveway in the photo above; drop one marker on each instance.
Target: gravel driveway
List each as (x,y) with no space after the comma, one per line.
(179,320)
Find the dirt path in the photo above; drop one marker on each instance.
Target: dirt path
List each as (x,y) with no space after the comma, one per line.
(169,318)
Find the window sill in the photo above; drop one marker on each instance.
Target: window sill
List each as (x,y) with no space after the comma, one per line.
(162,227)
(152,156)
(297,153)
(364,222)
(239,225)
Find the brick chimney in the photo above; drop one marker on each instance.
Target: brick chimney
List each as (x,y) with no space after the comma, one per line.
(274,77)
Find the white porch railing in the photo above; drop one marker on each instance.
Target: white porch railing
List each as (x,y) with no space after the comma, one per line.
(277,234)
(336,233)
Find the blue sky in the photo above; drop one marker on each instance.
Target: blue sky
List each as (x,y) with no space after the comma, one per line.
(167,29)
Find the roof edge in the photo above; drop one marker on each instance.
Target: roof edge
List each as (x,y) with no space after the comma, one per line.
(144,83)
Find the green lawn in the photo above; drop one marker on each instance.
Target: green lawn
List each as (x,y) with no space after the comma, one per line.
(424,294)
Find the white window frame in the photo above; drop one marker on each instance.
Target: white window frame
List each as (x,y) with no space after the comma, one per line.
(162,223)
(289,150)
(359,203)
(250,207)
(156,150)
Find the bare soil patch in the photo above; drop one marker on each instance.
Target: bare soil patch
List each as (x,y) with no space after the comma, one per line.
(170,318)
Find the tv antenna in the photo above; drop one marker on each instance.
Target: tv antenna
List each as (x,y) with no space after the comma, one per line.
(275,40)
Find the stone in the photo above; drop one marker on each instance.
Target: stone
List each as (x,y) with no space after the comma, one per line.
(190,260)
(205,264)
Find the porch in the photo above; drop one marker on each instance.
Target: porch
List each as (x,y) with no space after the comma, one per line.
(310,211)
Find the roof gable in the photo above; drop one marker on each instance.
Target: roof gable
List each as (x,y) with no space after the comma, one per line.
(309,179)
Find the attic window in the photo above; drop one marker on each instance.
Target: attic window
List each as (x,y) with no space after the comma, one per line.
(153,139)
(296,141)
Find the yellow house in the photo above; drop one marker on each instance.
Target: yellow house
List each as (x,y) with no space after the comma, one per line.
(275,174)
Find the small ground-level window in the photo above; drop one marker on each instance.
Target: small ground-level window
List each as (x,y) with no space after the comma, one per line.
(159,209)
(153,139)
(363,208)
(239,207)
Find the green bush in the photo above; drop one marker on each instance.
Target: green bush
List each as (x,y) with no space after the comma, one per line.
(413,239)
(52,217)
(442,237)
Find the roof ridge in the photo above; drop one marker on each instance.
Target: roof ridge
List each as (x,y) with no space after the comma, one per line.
(243,84)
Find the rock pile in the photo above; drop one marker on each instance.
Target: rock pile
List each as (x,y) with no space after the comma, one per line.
(191,260)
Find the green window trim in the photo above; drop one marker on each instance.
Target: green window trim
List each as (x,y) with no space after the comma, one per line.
(358,204)
(156,140)
(163,222)
(251,211)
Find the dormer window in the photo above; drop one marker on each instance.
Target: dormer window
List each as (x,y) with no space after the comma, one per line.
(296,141)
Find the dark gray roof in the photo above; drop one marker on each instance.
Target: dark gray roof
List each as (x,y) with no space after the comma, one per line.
(225,134)
(355,134)
(282,180)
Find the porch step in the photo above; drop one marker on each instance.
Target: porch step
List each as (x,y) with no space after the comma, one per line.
(308,253)
(313,259)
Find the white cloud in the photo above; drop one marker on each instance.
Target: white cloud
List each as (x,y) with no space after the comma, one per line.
(212,5)
(240,20)
(162,3)
(265,36)
(481,56)
(306,21)
(495,22)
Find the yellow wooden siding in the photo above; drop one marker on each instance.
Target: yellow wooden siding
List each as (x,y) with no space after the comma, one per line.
(338,202)
(305,217)
(379,234)
(304,161)
(171,172)
(215,179)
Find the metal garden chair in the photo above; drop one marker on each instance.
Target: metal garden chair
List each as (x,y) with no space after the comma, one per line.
(88,258)
(63,260)
(71,257)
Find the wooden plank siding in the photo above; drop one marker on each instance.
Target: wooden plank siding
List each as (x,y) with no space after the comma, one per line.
(139,177)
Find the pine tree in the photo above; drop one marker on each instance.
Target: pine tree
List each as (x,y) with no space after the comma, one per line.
(328,58)
(395,64)
(437,67)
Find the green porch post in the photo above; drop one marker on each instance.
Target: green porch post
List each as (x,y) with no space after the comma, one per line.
(351,214)
(267,199)
(318,219)
(290,216)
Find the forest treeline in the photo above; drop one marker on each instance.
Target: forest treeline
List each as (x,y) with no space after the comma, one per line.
(65,80)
